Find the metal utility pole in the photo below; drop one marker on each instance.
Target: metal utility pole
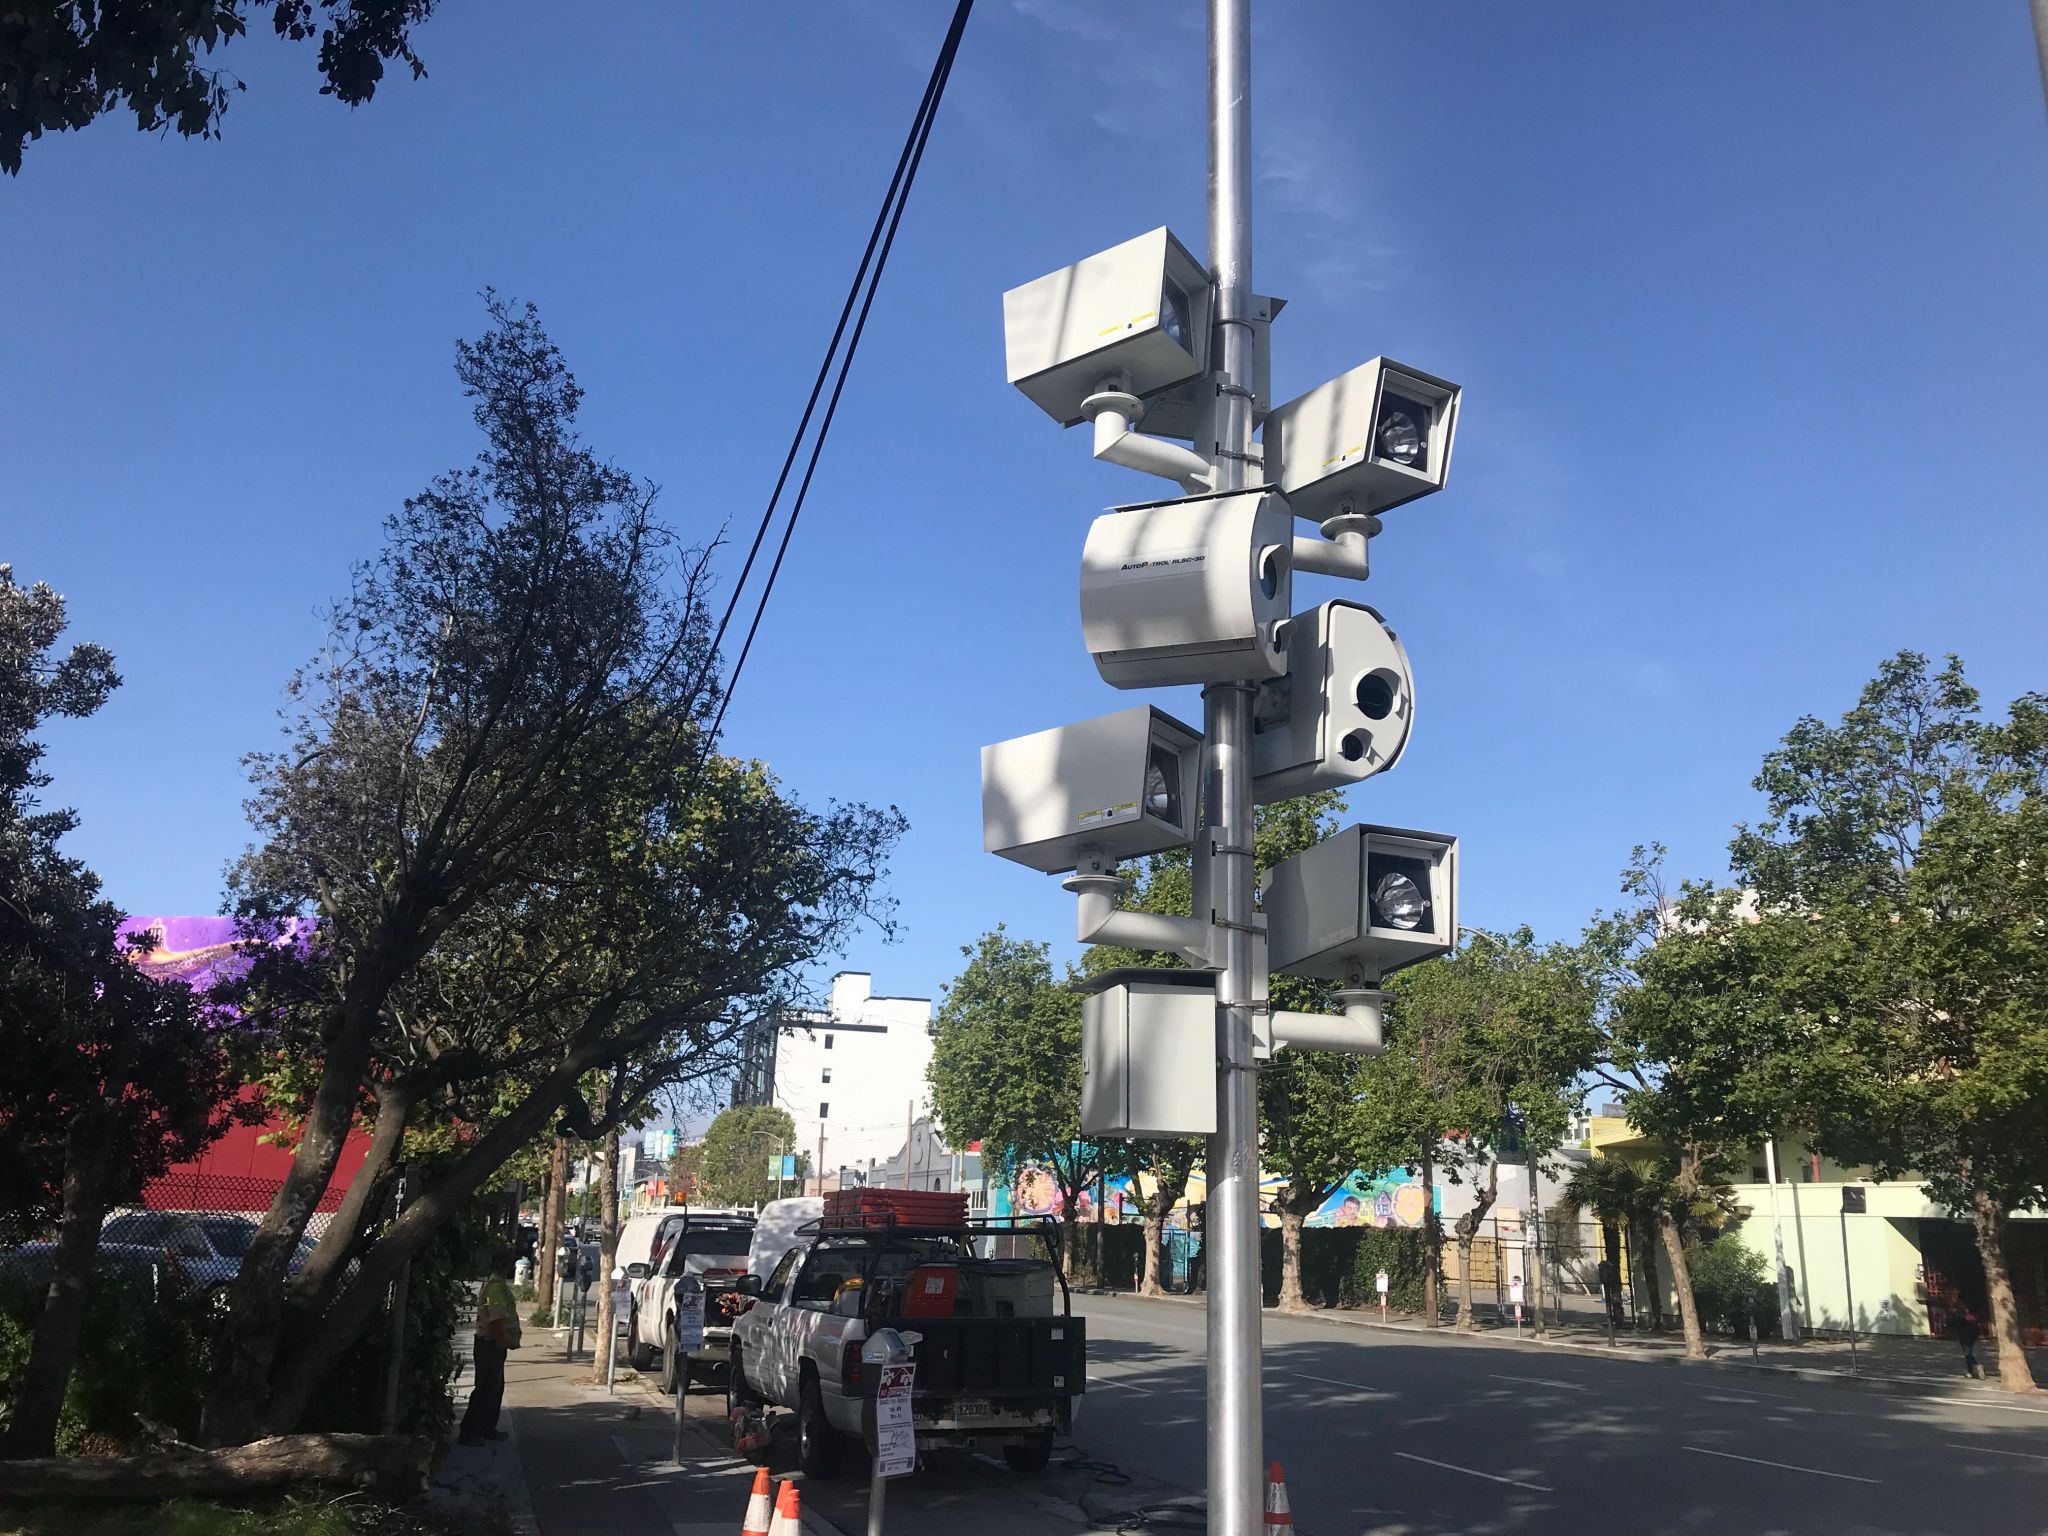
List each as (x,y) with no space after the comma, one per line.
(1788,1310)
(1236,1430)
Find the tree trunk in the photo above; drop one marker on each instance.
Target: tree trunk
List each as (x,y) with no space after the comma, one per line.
(1651,1293)
(608,1253)
(1432,1243)
(256,1328)
(1681,1282)
(1155,1243)
(551,1225)
(393,1465)
(361,1207)
(39,1395)
(314,1350)
(1069,1231)
(1291,1218)
(1468,1233)
(1987,1217)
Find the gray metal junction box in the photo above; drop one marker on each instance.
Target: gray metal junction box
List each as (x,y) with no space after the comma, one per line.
(1148,1054)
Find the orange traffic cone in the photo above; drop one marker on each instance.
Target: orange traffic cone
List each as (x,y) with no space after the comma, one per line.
(788,1513)
(758,1513)
(1278,1516)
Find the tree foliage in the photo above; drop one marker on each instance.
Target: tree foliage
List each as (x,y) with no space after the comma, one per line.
(1006,1067)
(1908,844)
(63,63)
(1484,1045)
(541,891)
(732,1160)
(107,1075)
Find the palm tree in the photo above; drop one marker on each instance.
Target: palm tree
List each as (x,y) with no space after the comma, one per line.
(1621,1198)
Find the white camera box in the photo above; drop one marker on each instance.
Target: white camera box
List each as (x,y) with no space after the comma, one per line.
(1342,910)
(1371,439)
(1194,590)
(1125,783)
(1135,316)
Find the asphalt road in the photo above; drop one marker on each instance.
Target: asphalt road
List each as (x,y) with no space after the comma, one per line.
(1393,1434)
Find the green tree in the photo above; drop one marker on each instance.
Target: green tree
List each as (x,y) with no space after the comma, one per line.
(1910,841)
(106,1075)
(732,1160)
(1485,1046)
(1006,1070)
(63,64)
(542,893)
(1703,1034)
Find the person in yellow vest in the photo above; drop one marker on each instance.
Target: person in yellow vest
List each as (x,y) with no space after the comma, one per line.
(497,1334)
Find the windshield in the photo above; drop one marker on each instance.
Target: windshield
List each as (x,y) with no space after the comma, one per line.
(231,1236)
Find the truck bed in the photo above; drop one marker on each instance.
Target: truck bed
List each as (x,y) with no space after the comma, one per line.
(997,1357)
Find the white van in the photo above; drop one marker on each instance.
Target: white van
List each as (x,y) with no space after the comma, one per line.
(775,1231)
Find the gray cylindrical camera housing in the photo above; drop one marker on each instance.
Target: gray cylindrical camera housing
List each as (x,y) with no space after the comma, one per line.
(1194,590)
(1342,713)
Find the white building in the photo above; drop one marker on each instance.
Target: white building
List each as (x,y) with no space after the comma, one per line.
(851,1075)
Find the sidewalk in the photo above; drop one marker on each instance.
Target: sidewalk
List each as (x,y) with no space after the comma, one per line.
(581,1463)
(1914,1365)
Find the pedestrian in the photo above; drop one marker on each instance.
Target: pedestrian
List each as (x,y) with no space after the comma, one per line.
(1964,1325)
(497,1334)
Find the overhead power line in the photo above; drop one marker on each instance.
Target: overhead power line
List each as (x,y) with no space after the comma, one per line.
(862,293)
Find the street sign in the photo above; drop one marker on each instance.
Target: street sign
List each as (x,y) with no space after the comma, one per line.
(622,1307)
(1380,1282)
(1854,1200)
(895,1434)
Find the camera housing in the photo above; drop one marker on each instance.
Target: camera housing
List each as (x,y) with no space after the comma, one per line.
(1134,317)
(1368,440)
(1342,713)
(1178,412)
(1332,912)
(1194,590)
(1126,784)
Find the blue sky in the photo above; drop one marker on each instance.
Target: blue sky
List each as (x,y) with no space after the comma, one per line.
(1747,301)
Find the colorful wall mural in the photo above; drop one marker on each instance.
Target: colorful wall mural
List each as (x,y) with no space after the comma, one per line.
(1361,1200)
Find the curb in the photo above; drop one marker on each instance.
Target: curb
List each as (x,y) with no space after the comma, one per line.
(1901,1386)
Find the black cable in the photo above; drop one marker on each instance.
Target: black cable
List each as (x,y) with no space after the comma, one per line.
(920,135)
(889,198)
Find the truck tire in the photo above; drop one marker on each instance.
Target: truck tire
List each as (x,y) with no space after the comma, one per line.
(738,1393)
(639,1356)
(674,1374)
(1032,1455)
(817,1442)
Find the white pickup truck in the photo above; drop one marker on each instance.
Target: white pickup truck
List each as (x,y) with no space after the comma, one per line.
(711,1246)
(1000,1357)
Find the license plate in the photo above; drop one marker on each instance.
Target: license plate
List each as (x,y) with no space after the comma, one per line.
(974,1408)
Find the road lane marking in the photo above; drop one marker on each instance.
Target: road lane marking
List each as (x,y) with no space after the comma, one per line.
(1783,1466)
(1972,1402)
(1331,1381)
(1099,1380)
(1991,1450)
(1541,1381)
(1512,1482)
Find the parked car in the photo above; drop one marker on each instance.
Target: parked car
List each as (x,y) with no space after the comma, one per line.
(712,1248)
(1000,1355)
(33,1263)
(181,1236)
(208,1245)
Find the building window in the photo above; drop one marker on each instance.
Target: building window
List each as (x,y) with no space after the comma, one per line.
(827,1077)
(828,1042)
(824,1110)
